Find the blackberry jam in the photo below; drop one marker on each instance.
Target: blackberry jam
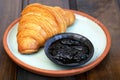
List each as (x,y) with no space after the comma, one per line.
(69,49)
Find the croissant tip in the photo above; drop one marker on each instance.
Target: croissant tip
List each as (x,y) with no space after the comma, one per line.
(28,51)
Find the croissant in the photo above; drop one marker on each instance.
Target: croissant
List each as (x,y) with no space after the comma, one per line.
(38,23)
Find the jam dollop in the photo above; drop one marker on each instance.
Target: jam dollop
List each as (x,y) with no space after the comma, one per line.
(68,51)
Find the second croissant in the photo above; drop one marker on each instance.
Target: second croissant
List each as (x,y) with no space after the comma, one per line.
(38,23)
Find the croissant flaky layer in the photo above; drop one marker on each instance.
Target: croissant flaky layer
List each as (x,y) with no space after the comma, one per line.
(38,23)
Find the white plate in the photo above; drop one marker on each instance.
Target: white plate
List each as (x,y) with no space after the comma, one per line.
(83,25)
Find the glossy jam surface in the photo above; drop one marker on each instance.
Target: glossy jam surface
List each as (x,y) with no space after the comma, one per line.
(68,51)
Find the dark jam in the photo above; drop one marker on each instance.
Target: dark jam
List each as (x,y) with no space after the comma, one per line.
(69,51)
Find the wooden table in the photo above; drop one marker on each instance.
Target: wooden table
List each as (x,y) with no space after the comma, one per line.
(107,11)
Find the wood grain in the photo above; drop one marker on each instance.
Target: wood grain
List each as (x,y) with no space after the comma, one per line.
(61,3)
(8,13)
(73,4)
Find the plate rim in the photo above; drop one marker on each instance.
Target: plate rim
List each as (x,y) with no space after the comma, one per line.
(60,73)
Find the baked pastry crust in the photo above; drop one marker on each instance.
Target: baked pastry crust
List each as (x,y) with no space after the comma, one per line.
(38,23)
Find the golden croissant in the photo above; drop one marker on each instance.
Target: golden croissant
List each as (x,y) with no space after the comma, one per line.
(38,23)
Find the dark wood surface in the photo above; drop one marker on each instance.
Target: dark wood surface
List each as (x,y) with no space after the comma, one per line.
(107,11)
